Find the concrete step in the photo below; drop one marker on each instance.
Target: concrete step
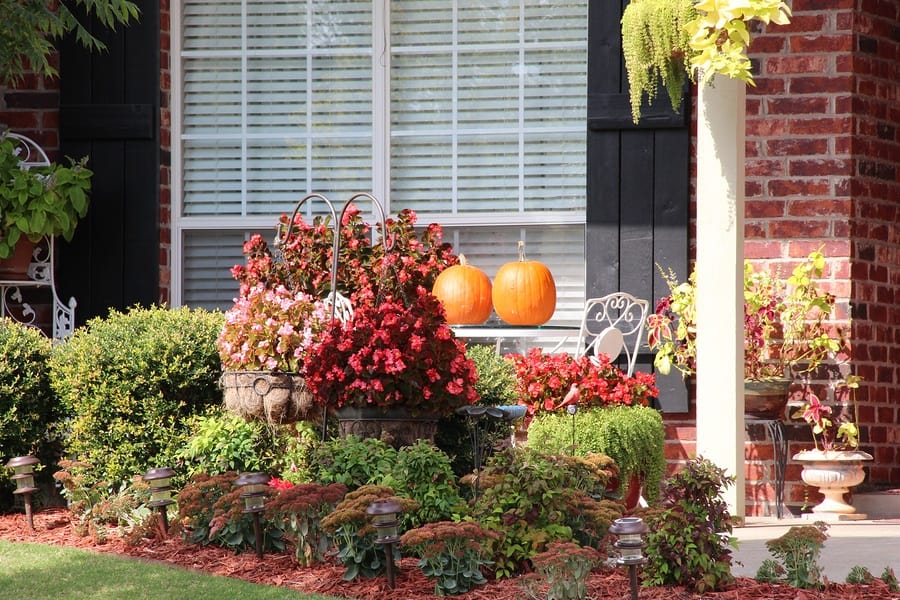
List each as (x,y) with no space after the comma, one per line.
(884,504)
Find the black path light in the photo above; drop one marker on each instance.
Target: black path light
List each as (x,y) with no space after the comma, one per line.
(385,513)
(160,482)
(630,533)
(23,468)
(474,415)
(256,487)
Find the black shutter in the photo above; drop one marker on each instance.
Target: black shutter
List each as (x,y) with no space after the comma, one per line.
(638,188)
(109,111)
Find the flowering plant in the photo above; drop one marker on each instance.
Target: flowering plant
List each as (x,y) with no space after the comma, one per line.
(395,349)
(830,432)
(787,327)
(303,256)
(545,382)
(391,353)
(271,329)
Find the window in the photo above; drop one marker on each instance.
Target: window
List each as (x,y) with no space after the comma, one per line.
(472,113)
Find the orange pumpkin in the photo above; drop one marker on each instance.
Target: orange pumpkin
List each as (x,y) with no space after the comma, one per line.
(466,293)
(524,291)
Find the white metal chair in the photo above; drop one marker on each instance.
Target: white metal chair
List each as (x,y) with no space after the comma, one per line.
(612,324)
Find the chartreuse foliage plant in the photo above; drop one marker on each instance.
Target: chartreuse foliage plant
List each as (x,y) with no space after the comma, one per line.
(131,382)
(452,554)
(531,499)
(689,542)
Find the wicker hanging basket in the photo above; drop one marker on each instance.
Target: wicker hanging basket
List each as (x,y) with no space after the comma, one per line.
(276,398)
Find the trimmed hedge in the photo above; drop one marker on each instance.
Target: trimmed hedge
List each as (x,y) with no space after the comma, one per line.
(131,382)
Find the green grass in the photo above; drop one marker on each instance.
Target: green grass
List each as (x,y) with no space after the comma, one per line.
(40,572)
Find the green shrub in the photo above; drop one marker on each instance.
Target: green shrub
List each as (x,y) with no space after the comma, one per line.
(29,412)
(496,386)
(769,571)
(353,461)
(131,382)
(531,500)
(689,542)
(422,473)
(633,436)
(221,441)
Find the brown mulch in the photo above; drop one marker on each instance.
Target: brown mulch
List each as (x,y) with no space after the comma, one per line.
(52,526)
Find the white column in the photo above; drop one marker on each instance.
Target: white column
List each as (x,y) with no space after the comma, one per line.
(720,257)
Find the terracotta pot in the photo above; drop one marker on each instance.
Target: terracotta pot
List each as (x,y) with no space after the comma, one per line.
(16,265)
(766,399)
(834,472)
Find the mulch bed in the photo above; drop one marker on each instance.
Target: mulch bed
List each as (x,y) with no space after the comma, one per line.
(52,526)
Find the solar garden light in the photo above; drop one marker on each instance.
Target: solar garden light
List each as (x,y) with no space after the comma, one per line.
(160,482)
(630,533)
(384,514)
(23,468)
(256,486)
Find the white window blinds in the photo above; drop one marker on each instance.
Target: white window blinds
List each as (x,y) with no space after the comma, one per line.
(479,125)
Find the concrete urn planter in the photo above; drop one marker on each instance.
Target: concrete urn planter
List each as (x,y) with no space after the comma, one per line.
(834,472)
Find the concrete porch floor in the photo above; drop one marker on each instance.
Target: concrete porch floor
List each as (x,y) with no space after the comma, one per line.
(873,543)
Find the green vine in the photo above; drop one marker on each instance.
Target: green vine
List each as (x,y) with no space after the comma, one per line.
(656,45)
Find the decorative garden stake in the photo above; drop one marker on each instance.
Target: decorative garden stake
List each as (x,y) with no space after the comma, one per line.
(24,478)
(387,530)
(255,487)
(160,481)
(630,532)
(572,409)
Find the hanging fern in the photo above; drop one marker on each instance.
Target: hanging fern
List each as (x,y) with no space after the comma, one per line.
(656,46)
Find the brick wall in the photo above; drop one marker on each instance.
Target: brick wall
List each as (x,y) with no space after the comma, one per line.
(823,169)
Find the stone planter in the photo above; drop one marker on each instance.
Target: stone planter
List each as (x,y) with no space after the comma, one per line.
(834,472)
(276,398)
(393,425)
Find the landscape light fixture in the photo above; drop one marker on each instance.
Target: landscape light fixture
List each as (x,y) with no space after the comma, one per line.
(160,482)
(384,513)
(23,468)
(255,486)
(630,533)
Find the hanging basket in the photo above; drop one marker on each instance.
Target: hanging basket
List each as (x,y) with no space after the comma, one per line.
(276,398)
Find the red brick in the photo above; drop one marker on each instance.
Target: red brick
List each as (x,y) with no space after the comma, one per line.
(799,229)
(822,43)
(819,208)
(820,166)
(797,106)
(796,147)
(795,64)
(821,85)
(764,168)
(821,126)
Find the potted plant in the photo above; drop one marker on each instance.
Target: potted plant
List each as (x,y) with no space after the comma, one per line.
(676,40)
(835,463)
(392,348)
(633,436)
(38,201)
(788,330)
(264,345)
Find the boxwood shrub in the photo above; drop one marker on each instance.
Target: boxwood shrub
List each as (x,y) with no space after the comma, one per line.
(131,381)
(29,412)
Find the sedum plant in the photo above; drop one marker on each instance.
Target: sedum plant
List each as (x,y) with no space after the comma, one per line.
(798,551)
(452,554)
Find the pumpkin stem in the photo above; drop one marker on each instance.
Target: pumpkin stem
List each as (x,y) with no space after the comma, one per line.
(462,260)
(521,251)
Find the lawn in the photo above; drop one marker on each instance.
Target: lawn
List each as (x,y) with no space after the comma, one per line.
(41,572)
